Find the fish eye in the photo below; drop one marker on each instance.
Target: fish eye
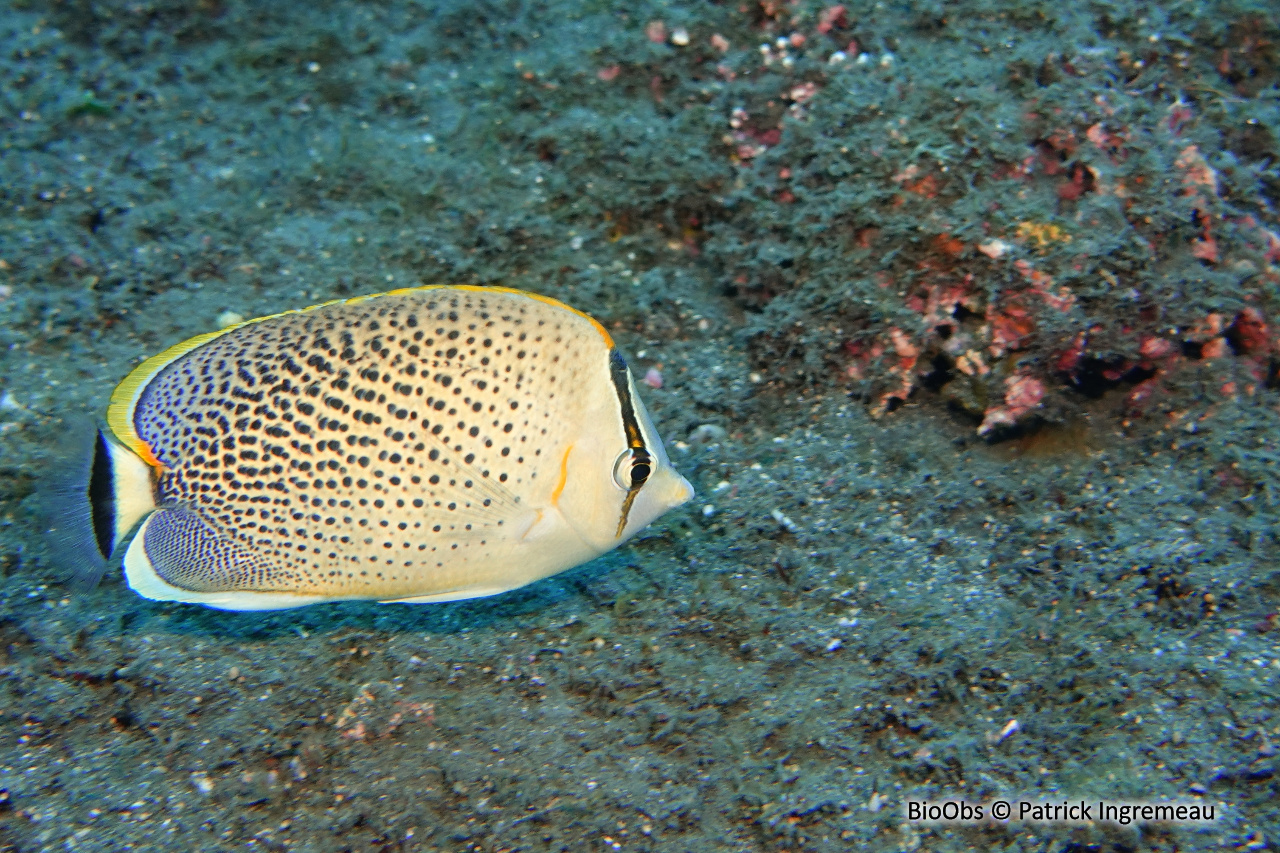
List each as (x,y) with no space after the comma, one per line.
(632,469)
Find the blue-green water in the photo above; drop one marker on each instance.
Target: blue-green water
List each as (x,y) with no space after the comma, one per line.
(845,252)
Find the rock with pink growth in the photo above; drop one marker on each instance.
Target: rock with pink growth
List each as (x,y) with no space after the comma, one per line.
(1022,394)
(1250,334)
(1154,349)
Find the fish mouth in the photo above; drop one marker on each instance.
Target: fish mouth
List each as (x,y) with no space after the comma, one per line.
(664,491)
(683,493)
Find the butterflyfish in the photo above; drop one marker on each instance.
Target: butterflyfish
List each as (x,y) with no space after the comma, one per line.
(427,444)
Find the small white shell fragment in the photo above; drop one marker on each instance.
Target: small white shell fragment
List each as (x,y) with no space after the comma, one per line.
(1009,728)
(784,520)
(229,318)
(680,37)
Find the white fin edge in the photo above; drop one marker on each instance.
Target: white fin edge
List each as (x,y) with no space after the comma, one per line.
(454,595)
(146,582)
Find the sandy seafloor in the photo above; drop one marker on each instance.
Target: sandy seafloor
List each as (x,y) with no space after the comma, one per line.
(866,594)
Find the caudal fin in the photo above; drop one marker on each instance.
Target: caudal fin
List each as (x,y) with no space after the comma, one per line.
(71,520)
(97,492)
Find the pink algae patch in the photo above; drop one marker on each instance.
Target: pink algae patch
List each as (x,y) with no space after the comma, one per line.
(1197,178)
(1069,359)
(937,303)
(1011,328)
(1154,348)
(1022,394)
(1196,171)
(831,17)
(908,354)
(1060,298)
(1250,333)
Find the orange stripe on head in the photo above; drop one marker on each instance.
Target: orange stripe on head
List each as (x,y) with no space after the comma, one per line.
(564,476)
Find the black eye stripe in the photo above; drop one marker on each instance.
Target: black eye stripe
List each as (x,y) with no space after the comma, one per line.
(641,465)
(621,384)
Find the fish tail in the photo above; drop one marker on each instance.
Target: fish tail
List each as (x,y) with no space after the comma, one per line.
(97,494)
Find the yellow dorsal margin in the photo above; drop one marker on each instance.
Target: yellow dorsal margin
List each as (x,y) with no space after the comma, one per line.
(480,288)
(124,399)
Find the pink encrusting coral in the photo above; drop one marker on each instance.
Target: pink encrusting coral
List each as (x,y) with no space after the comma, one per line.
(1199,182)
(1023,395)
(903,370)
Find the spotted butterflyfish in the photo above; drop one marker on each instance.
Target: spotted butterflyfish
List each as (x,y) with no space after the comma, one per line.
(428,444)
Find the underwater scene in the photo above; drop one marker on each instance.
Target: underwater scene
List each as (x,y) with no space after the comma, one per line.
(794,426)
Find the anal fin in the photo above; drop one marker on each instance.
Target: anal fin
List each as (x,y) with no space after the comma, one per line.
(176,556)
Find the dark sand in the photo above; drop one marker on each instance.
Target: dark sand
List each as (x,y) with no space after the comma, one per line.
(864,596)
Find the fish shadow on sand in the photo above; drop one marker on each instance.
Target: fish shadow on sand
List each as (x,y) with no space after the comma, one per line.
(594,583)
